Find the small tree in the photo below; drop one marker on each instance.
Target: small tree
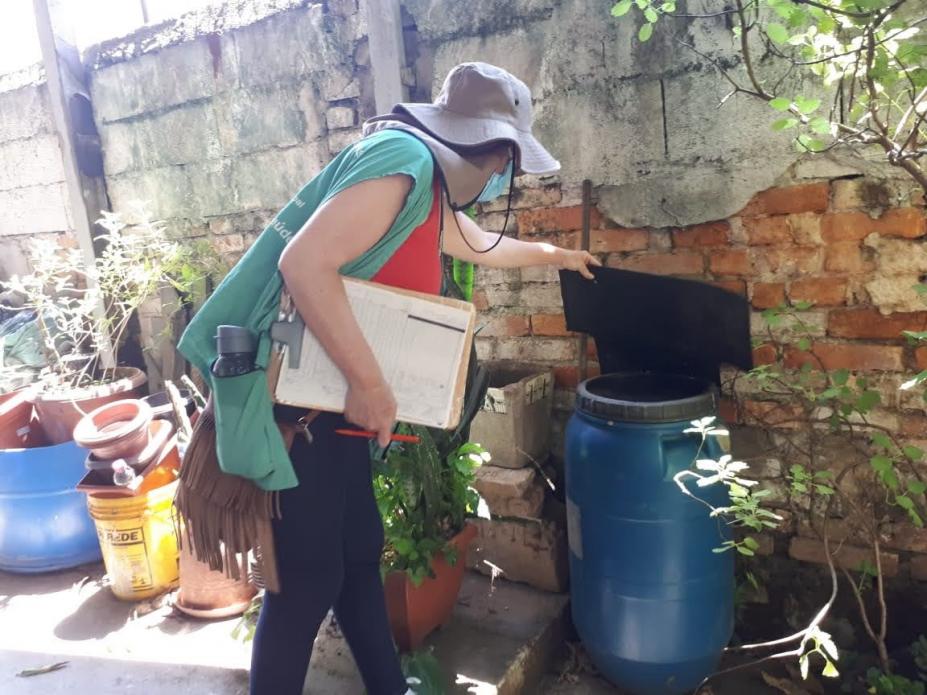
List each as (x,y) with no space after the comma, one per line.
(867,58)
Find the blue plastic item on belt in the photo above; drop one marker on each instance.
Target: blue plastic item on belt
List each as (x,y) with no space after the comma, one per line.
(44,522)
(651,601)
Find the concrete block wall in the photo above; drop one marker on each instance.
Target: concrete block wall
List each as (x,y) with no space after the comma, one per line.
(33,200)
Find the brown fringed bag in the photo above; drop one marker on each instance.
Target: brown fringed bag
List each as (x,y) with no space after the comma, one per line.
(225,515)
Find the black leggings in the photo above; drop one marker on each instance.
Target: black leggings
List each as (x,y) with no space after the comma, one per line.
(328,545)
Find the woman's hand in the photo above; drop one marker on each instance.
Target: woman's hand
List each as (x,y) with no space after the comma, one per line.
(579,261)
(372,408)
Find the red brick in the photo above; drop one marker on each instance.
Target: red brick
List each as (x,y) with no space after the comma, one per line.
(549,324)
(767,295)
(678,263)
(708,234)
(908,223)
(735,286)
(810,197)
(846,226)
(845,556)
(919,568)
(792,260)
(907,536)
(556,219)
(869,323)
(862,358)
(920,358)
(821,291)
(480,300)
(730,262)
(767,230)
(591,351)
(618,240)
(727,409)
(845,257)
(568,376)
(764,354)
(500,326)
(913,425)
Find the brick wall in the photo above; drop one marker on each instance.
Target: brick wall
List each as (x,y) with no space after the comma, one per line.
(855,247)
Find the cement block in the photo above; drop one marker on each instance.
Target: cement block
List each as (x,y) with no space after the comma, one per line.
(510,492)
(30,162)
(303,44)
(339,117)
(313,110)
(525,550)
(255,119)
(269,179)
(24,113)
(341,139)
(154,81)
(514,424)
(34,209)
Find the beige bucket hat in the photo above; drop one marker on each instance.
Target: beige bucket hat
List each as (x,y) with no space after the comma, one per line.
(481,103)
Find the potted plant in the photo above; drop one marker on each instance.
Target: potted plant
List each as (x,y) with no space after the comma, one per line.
(84,314)
(425,493)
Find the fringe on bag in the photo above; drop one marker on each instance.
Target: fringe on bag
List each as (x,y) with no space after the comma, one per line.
(224,516)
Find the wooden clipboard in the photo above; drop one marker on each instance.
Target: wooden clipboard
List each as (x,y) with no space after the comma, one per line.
(458,317)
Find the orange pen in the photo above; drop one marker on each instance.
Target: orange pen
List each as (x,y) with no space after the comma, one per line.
(407,438)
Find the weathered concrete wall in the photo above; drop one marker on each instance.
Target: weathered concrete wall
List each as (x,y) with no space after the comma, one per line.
(640,120)
(215,131)
(33,199)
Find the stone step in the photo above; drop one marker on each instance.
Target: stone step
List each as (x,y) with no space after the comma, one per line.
(498,642)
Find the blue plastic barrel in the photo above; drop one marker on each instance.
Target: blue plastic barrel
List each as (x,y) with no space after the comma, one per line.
(44,522)
(652,603)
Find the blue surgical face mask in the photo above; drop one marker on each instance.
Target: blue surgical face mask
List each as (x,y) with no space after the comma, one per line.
(496,185)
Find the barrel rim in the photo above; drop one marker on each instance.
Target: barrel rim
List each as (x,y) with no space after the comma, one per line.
(705,403)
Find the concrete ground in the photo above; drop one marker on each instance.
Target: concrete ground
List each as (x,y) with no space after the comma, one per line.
(500,641)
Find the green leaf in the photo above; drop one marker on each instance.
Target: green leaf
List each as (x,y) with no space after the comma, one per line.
(751,543)
(916,487)
(621,8)
(781,103)
(745,551)
(668,6)
(840,377)
(785,124)
(830,671)
(645,32)
(867,401)
(803,305)
(804,344)
(819,124)
(807,106)
(914,453)
(777,33)
(824,490)
(882,440)
(651,15)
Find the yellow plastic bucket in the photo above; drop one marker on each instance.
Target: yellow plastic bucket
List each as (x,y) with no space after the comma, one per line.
(138,541)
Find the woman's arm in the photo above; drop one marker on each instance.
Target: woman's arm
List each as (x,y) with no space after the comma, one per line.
(338,232)
(509,253)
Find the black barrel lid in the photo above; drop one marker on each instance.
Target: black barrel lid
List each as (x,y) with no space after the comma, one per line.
(651,323)
(647,398)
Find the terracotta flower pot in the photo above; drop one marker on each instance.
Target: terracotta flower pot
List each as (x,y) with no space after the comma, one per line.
(117,430)
(415,611)
(158,464)
(59,412)
(15,419)
(208,594)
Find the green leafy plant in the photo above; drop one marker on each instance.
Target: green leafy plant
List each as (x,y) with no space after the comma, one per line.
(861,64)
(892,684)
(424,492)
(84,313)
(919,653)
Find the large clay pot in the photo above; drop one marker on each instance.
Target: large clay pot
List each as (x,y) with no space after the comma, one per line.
(59,412)
(15,419)
(209,594)
(115,430)
(415,611)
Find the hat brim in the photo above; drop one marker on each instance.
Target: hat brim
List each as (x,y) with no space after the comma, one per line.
(466,131)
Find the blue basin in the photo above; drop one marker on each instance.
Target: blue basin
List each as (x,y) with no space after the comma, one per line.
(44,523)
